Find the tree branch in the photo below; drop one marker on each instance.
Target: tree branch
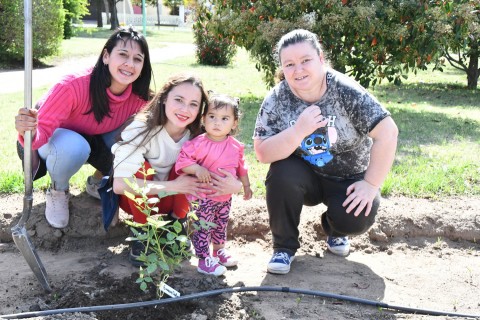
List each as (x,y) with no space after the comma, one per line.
(457,64)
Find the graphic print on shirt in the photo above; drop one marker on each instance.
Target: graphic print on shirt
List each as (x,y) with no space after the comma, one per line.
(315,148)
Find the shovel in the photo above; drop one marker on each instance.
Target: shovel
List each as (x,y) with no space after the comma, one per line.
(19,232)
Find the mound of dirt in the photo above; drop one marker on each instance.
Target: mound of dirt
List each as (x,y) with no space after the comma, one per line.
(420,254)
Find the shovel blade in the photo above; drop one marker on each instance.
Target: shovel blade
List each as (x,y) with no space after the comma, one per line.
(24,244)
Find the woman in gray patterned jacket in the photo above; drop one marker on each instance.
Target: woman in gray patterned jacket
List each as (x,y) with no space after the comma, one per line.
(327,141)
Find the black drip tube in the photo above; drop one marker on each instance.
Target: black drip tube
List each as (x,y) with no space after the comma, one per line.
(205,294)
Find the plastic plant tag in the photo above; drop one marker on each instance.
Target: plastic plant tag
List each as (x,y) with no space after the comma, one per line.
(169,290)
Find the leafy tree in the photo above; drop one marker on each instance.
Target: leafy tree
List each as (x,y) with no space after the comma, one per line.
(457,32)
(370,40)
(213,47)
(47,28)
(74,11)
(173,5)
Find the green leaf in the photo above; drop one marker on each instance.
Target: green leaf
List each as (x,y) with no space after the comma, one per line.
(171,236)
(177,226)
(163,265)
(163,194)
(129,195)
(157,222)
(153,201)
(151,269)
(182,238)
(148,279)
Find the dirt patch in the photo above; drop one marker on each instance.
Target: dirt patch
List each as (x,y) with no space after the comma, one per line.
(420,253)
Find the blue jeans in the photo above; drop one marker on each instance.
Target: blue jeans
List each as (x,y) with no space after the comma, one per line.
(67,151)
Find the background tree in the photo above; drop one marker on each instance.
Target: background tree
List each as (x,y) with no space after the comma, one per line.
(369,40)
(112,4)
(213,46)
(74,11)
(173,5)
(457,32)
(47,26)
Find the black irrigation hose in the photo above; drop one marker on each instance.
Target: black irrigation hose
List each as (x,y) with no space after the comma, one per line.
(234,290)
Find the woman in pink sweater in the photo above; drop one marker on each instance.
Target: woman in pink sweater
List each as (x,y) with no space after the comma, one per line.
(77,120)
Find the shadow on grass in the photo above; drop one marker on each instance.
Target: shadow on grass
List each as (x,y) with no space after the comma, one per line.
(437,94)
(431,128)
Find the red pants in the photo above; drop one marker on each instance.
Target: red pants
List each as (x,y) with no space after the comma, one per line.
(177,203)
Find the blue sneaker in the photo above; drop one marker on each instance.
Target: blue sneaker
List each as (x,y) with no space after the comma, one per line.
(338,245)
(280,263)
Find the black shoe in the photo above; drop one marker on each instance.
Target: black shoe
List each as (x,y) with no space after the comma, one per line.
(136,249)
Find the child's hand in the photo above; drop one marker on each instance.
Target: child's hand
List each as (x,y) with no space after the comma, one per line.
(247,193)
(203,175)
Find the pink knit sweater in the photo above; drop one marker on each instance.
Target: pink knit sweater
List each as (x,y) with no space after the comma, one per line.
(65,105)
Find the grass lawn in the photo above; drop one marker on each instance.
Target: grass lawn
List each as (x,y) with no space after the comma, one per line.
(439,121)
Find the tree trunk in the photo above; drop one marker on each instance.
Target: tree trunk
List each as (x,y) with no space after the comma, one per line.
(473,72)
(158,11)
(114,18)
(99,14)
(107,10)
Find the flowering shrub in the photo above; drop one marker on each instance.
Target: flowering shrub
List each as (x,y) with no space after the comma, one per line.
(370,40)
(213,47)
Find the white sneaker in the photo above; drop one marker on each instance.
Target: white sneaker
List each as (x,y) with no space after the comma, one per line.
(210,266)
(56,210)
(339,246)
(280,262)
(224,258)
(92,188)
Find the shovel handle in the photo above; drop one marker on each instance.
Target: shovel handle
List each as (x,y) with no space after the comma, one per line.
(27,101)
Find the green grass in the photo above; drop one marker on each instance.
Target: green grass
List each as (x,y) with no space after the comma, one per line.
(89,41)
(439,141)
(439,121)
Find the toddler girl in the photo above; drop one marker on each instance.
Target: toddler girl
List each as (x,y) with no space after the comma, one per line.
(215,149)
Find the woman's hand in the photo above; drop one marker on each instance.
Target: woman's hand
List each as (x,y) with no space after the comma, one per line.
(360,195)
(310,120)
(26,120)
(224,185)
(184,183)
(190,185)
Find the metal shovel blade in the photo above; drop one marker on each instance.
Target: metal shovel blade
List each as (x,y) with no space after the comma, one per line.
(19,233)
(23,243)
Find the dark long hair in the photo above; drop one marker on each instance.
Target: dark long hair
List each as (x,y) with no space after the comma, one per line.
(101,78)
(154,115)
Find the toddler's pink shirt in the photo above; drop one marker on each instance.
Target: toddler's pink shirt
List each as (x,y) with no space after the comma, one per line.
(227,154)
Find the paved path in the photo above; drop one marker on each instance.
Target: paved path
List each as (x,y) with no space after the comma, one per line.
(13,81)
